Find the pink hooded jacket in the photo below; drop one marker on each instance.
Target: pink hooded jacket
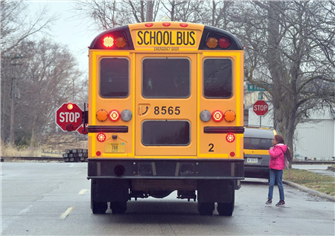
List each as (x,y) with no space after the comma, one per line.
(277,160)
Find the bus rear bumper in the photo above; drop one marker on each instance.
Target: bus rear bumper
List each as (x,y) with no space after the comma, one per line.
(229,169)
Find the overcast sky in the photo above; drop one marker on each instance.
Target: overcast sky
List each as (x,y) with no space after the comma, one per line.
(68,29)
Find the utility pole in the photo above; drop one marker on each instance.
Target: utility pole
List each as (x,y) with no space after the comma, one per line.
(13,94)
(150,8)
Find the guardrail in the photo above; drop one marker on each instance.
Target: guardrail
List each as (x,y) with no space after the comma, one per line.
(10,159)
(76,156)
(70,155)
(313,162)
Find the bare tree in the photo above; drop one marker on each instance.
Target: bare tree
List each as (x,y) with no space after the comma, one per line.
(289,53)
(110,14)
(16,26)
(47,82)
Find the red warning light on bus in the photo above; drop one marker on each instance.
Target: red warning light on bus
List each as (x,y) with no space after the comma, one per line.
(108,41)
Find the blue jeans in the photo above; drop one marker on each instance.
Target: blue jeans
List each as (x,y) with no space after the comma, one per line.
(276,175)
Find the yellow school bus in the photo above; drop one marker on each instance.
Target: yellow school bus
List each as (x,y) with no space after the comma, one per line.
(165,114)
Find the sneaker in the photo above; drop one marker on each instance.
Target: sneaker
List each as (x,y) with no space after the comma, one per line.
(269,202)
(280,203)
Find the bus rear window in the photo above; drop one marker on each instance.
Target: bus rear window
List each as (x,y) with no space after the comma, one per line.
(166,78)
(166,133)
(218,78)
(114,77)
(257,143)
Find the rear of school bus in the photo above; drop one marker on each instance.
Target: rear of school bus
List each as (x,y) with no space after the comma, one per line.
(165,114)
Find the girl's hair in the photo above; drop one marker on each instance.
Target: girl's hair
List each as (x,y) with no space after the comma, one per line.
(279,138)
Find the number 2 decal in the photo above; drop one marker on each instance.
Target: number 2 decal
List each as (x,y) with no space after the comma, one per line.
(211,147)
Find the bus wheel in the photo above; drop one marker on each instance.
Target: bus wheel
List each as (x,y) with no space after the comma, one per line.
(98,207)
(226,209)
(206,208)
(118,207)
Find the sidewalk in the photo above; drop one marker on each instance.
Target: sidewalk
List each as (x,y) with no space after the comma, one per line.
(317,169)
(308,190)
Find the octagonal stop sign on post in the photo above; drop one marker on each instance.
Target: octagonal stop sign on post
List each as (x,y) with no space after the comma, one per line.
(69,117)
(260,107)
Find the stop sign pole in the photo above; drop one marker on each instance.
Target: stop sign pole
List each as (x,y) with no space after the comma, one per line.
(260,108)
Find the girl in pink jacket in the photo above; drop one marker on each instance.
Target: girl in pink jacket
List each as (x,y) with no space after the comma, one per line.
(276,165)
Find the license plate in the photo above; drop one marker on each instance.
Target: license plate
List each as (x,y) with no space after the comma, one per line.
(252,160)
(115,147)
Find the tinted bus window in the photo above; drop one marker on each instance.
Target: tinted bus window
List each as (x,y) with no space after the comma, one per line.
(114,77)
(166,133)
(218,80)
(257,143)
(166,78)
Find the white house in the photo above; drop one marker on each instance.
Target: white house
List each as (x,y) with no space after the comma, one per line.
(314,139)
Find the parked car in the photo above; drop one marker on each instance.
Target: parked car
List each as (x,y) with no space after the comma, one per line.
(257,142)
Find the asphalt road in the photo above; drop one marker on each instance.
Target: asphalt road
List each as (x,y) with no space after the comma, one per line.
(54,199)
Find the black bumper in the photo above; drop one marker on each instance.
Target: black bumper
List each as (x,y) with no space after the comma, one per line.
(165,169)
(254,171)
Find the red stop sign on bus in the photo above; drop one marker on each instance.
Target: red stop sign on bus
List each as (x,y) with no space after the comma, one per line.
(260,107)
(69,117)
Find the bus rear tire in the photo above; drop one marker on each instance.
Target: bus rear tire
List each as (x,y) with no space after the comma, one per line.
(118,207)
(226,209)
(206,208)
(98,207)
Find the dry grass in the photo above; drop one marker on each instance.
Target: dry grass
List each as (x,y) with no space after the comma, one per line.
(321,183)
(19,151)
(53,145)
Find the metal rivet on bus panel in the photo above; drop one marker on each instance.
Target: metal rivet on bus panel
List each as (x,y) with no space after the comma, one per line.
(197,163)
(134,163)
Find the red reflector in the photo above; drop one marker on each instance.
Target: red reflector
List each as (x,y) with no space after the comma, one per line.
(70,106)
(224,43)
(232,154)
(217,115)
(114,115)
(108,41)
(230,137)
(101,137)
(98,153)
(149,24)
(166,24)
(183,24)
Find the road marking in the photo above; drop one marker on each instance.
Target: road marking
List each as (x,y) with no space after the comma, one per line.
(82,191)
(66,213)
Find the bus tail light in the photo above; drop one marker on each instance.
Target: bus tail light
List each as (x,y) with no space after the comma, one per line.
(120,42)
(149,24)
(230,137)
(126,115)
(205,115)
(217,115)
(114,115)
(101,137)
(102,115)
(183,24)
(212,42)
(224,43)
(166,24)
(108,41)
(229,116)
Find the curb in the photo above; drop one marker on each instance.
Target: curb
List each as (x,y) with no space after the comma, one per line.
(308,190)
